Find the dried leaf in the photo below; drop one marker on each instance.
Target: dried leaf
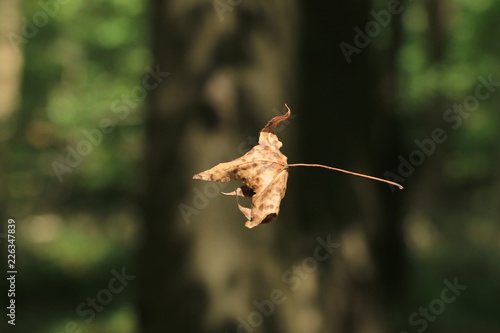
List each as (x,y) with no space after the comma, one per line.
(263,170)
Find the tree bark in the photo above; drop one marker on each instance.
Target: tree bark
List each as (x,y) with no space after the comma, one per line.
(351,124)
(199,268)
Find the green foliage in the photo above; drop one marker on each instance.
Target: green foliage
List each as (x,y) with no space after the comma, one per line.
(87,56)
(462,221)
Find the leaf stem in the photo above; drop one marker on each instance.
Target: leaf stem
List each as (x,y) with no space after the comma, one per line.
(345,171)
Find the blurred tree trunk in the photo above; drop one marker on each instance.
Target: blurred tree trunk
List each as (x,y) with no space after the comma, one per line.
(427,178)
(230,66)
(351,123)
(11,57)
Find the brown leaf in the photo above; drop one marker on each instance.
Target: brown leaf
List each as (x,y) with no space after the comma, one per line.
(263,170)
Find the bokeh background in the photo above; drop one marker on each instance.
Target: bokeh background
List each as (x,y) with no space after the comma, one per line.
(109,107)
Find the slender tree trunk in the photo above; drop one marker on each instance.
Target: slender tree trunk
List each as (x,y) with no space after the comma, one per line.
(350,123)
(199,268)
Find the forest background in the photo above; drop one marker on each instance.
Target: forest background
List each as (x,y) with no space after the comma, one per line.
(108,108)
